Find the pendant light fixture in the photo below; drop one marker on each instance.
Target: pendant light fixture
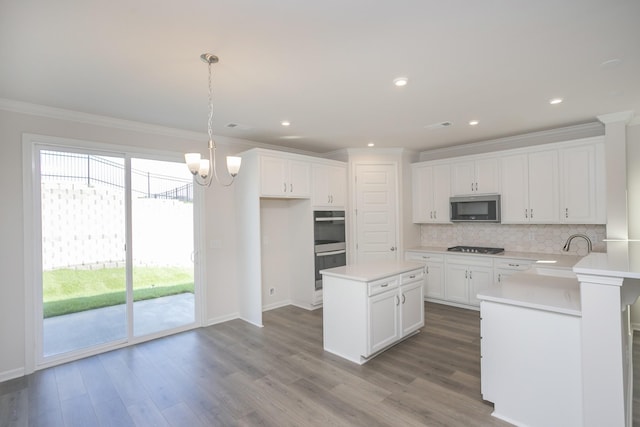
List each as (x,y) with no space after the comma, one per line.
(199,167)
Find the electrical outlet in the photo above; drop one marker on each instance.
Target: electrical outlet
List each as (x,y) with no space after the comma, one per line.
(272,291)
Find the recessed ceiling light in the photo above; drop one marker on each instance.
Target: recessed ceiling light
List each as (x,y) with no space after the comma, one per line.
(611,63)
(473,122)
(400,81)
(371,144)
(285,123)
(555,101)
(291,137)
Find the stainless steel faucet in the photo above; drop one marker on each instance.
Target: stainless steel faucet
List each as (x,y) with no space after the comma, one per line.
(573,236)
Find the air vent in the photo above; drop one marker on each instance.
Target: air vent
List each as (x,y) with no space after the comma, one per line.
(438,125)
(237,126)
(232,125)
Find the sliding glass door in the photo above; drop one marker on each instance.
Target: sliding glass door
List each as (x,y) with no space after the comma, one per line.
(116,249)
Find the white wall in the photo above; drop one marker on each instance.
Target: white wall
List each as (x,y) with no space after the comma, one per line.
(221,295)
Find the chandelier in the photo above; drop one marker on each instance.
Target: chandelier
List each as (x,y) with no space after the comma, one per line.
(199,167)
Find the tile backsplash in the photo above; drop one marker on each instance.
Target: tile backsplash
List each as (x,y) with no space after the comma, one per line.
(517,237)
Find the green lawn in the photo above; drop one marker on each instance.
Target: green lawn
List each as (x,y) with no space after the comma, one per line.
(69,291)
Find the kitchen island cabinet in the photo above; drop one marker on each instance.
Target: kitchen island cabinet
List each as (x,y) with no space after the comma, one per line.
(370,307)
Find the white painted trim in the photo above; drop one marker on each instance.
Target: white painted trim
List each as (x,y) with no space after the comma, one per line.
(275,305)
(11,374)
(635,121)
(622,116)
(517,141)
(222,319)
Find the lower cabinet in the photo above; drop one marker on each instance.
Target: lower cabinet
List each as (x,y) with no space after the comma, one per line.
(505,267)
(362,318)
(434,273)
(395,313)
(465,277)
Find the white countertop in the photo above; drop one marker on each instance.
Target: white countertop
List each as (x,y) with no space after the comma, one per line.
(367,272)
(540,292)
(622,259)
(550,260)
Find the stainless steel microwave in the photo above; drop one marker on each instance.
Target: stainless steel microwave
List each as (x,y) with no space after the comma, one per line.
(485,208)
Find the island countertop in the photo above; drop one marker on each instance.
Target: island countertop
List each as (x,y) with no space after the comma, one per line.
(370,271)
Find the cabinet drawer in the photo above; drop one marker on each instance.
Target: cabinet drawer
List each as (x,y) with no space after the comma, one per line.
(513,264)
(412,276)
(424,257)
(383,285)
(473,260)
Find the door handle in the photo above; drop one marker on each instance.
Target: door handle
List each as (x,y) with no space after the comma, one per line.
(393,248)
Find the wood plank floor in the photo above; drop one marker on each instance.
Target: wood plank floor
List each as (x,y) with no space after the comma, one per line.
(234,374)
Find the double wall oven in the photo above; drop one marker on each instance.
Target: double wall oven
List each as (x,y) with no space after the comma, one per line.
(329,240)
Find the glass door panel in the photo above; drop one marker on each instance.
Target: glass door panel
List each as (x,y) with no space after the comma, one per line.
(162,245)
(83,220)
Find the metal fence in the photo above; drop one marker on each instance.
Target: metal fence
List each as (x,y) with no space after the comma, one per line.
(100,170)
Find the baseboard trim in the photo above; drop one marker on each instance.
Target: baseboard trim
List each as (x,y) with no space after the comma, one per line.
(276,305)
(222,319)
(11,374)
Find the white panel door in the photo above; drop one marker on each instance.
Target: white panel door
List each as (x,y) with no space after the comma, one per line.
(543,187)
(441,189)
(383,320)
(515,189)
(376,223)
(578,177)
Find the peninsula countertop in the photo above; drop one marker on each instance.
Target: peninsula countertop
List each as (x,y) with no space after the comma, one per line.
(370,271)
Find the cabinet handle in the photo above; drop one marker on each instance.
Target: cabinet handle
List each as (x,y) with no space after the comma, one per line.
(472,186)
(531,213)
(476,186)
(384,286)
(397,300)
(466,274)
(431,214)
(285,187)
(332,198)
(525,213)
(427,268)
(393,248)
(514,265)
(413,276)
(499,277)
(403,298)
(425,257)
(435,214)
(566,212)
(470,277)
(291,188)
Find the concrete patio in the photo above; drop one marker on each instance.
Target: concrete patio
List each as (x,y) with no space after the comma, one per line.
(84,329)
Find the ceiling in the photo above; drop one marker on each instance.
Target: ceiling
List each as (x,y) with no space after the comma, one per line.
(328,66)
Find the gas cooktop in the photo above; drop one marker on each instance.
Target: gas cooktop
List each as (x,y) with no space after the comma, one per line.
(476,250)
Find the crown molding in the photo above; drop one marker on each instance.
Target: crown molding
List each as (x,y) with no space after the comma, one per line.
(622,116)
(517,141)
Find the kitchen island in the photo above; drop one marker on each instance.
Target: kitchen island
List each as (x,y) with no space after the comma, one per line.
(530,348)
(368,308)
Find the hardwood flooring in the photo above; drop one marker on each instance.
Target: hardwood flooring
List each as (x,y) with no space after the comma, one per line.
(235,374)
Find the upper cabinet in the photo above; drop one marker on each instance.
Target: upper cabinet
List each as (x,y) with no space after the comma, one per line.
(431,191)
(329,186)
(475,176)
(530,188)
(582,184)
(284,177)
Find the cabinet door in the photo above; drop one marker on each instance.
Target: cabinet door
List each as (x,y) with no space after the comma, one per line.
(515,193)
(411,307)
(456,287)
(320,185)
(578,179)
(422,192)
(487,176)
(383,328)
(338,185)
(543,187)
(441,190)
(463,178)
(480,278)
(299,182)
(434,283)
(273,176)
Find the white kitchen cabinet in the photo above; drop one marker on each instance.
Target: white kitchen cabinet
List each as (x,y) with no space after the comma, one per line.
(431,192)
(581,171)
(364,316)
(284,177)
(434,273)
(475,176)
(329,186)
(530,188)
(465,277)
(505,267)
